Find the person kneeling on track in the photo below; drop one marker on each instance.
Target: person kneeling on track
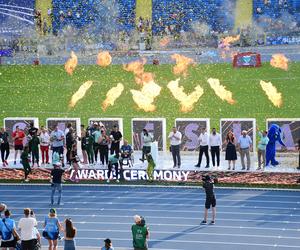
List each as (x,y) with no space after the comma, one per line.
(208,185)
(113,161)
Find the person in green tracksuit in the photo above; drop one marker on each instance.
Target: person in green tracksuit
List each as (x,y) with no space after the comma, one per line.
(151,166)
(89,147)
(35,141)
(25,162)
(140,233)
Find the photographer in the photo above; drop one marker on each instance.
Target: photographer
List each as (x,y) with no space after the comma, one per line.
(208,185)
(140,233)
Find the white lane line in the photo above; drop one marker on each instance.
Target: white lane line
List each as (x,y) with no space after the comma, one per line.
(134,186)
(188,225)
(173,218)
(160,192)
(202,241)
(193,233)
(164,210)
(154,198)
(125,203)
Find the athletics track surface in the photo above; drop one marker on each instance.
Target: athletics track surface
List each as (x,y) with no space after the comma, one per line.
(246,219)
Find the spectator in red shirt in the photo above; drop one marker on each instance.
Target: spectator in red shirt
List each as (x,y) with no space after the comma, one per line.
(18,138)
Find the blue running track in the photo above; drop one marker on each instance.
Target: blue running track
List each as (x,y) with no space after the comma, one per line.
(246,219)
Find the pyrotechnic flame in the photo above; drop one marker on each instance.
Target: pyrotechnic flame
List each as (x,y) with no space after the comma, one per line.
(226,41)
(137,67)
(112,95)
(221,90)
(71,63)
(182,64)
(186,101)
(164,41)
(80,93)
(104,59)
(144,98)
(279,61)
(274,96)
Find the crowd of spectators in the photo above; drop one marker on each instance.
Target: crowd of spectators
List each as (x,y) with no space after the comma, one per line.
(26,236)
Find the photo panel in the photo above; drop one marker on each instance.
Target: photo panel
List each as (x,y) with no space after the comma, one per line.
(190,129)
(155,126)
(290,132)
(237,125)
(10,124)
(62,124)
(108,123)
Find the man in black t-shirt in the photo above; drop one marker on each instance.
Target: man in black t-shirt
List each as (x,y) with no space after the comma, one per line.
(208,185)
(56,180)
(116,137)
(31,132)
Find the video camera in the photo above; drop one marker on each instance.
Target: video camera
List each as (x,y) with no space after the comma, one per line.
(208,178)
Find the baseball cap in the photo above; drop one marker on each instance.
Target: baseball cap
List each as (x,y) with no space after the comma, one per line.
(52,211)
(58,164)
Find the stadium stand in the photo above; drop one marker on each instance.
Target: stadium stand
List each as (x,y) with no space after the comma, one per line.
(80,13)
(15,12)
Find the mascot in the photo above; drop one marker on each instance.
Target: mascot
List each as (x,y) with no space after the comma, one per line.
(274,135)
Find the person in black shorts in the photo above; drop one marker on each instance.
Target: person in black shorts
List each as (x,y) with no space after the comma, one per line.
(208,185)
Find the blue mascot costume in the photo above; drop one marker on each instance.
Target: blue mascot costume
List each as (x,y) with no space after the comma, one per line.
(274,135)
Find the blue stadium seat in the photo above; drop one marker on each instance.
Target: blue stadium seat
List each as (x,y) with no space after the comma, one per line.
(80,13)
(208,11)
(15,14)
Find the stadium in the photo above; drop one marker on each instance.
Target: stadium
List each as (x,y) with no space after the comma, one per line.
(140,113)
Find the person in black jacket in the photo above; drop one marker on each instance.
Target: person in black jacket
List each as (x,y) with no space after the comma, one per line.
(116,137)
(70,140)
(208,185)
(4,146)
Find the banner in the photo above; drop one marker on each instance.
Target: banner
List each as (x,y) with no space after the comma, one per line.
(237,125)
(62,124)
(247,59)
(290,132)
(10,124)
(108,123)
(132,175)
(155,126)
(190,129)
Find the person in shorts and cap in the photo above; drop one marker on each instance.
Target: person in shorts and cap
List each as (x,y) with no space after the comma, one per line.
(208,185)
(56,181)
(108,245)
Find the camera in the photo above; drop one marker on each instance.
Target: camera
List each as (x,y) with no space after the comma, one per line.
(143,222)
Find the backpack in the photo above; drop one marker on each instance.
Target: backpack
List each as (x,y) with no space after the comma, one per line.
(7,236)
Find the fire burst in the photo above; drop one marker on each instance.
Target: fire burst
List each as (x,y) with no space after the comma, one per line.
(71,63)
(186,101)
(144,98)
(104,59)
(274,96)
(279,61)
(164,41)
(80,93)
(137,67)
(221,90)
(112,95)
(182,64)
(228,40)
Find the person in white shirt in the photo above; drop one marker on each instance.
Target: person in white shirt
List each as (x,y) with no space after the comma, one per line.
(44,145)
(215,146)
(245,144)
(147,141)
(26,226)
(204,140)
(175,141)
